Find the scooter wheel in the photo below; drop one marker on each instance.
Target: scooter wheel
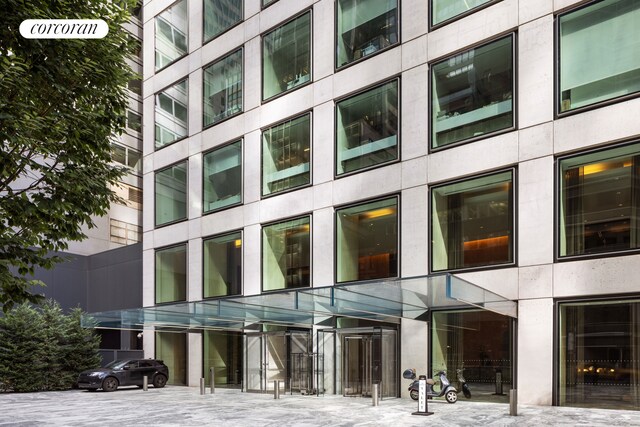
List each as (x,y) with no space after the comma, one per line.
(414,394)
(451,396)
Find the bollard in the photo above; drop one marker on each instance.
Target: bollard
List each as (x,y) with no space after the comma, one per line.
(276,389)
(145,383)
(375,395)
(513,402)
(201,385)
(498,383)
(422,397)
(212,378)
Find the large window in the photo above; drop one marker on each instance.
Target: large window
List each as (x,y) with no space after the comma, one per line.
(171,348)
(367,241)
(127,156)
(472,223)
(171,114)
(220,15)
(223,88)
(223,265)
(444,10)
(286,255)
(367,129)
(599,354)
(472,93)
(171,194)
(223,177)
(365,27)
(599,201)
(171,34)
(171,274)
(223,353)
(599,58)
(286,155)
(286,57)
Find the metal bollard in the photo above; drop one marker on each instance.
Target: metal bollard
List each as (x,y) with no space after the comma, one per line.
(375,395)
(498,383)
(513,402)
(201,385)
(145,383)
(276,389)
(212,379)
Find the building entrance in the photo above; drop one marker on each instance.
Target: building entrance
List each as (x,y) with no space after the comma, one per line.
(269,357)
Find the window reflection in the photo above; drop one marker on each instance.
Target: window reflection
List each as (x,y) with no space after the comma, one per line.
(223,177)
(171,34)
(443,10)
(223,89)
(223,265)
(171,194)
(171,114)
(171,274)
(472,223)
(220,15)
(286,255)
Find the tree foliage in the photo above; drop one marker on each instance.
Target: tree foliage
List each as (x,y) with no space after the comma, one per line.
(44,349)
(62,101)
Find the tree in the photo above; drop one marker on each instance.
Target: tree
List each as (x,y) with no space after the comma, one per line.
(82,344)
(55,347)
(62,101)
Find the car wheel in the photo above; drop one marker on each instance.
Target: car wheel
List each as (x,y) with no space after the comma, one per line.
(110,384)
(159,381)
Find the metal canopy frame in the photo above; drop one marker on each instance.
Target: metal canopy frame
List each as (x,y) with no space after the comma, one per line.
(380,300)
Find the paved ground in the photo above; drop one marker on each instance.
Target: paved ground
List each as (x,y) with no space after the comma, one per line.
(183,406)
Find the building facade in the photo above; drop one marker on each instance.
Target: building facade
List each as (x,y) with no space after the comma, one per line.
(292,147)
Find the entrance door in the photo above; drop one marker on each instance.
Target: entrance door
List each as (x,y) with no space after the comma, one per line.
(362,364)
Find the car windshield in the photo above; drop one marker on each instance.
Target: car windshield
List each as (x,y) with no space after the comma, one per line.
(116,364)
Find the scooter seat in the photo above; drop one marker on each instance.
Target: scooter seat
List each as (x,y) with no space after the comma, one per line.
(430,381)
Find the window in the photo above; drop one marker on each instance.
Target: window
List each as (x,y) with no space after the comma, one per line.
(286,154)
(223,177)
(444,10)
(223,265)
(171,194)
(127,156)
(286,255)
(472,93)
(223,353)
(367,129)
(599,354)
(171,274)
(365,27)
(135,86)
(171,34)
(223,89)
(367,241)
(599,58)
(131,196)
(266,3)
(599,201)
(286,60)
(219,16)
(472,223)
(134,121)
(171,114)
(171,347)
(124,233)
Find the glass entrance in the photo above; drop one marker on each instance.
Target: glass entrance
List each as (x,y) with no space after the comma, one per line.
(269,358)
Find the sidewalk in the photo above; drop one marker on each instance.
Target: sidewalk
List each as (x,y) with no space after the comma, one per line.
(184,406)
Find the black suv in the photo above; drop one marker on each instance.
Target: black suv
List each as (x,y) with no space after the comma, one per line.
(125,372)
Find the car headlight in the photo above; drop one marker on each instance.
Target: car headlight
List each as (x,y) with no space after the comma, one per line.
(95,374)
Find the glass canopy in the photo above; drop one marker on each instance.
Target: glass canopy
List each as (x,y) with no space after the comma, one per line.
(381,300)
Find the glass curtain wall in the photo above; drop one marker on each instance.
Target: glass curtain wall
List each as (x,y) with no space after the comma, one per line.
(472,93)
(472,223)
(479,341)
(223,353)
(171,194)
(267,2)
(171,347)
(286,155)
(367,129)
(171,114)
(286,255)
(443,10)
(171,274)
(367,241)
(219,16)
(599,201)
(286,61)
(223,265)
(365,27)
(599,58)
(171,34)
(222,177)
(599,354)
(223,89)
